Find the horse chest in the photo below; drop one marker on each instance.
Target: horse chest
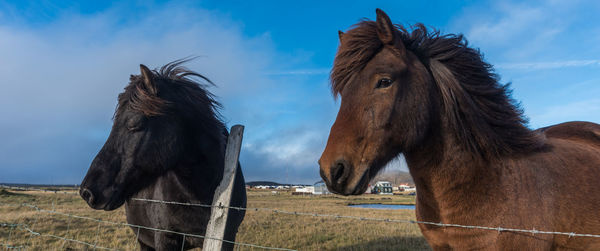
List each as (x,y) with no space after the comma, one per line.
(469,239)
(166,216)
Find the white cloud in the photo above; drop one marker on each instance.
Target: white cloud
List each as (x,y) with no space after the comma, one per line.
(514,21)
(301,72)
(550,50)
(86,61)
(548,65)
(522,31)
(300,148)
(60,80)
(60,84)
(568,112)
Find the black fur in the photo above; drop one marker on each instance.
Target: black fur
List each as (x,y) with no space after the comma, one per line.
(167,143)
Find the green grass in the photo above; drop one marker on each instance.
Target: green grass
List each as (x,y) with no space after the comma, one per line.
(259,227)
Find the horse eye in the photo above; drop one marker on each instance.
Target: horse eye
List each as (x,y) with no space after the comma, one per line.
(383,83)
(134,128)
(135,125)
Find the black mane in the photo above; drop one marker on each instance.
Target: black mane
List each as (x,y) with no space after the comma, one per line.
(179,91)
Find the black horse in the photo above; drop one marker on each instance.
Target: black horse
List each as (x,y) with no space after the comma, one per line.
(167,143)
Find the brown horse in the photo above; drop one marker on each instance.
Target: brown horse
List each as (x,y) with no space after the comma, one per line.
(472,157)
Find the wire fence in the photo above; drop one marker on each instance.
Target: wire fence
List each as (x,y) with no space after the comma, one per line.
(439,224)
(28,228)
(94,245)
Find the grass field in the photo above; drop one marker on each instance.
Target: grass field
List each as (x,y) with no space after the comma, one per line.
(259,227)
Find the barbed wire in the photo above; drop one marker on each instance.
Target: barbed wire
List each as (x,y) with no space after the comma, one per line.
(278,211)
(134,226)
(439,224)
(29,230)
(12,227)
(12,247)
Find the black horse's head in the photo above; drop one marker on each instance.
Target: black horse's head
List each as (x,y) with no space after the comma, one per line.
(162,118)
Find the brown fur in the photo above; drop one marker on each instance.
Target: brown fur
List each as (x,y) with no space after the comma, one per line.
(472,157)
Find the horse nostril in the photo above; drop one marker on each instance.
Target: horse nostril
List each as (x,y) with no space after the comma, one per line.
(87,195)
(337,171)
(340,172)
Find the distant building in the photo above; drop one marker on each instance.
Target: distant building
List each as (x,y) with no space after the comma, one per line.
(382,187)
(308,189)
(320,188)
(406,188)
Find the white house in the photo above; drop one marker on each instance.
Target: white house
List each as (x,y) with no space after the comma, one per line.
(308,189)
(382,187)
(406,188)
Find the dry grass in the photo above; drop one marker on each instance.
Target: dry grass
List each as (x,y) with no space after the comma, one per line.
(259,227)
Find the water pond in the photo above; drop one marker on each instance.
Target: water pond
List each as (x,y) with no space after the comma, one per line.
(383,206)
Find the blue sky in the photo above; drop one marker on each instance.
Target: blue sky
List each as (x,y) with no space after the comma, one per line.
(62,65)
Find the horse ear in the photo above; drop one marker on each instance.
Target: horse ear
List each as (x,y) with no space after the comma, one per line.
(340,34)
(147,79)
(385,28)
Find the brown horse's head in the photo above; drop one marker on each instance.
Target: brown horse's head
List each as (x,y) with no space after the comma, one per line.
(385,107)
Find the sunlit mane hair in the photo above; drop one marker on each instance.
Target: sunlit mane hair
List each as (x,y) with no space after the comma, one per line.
(178,90)
(479,109)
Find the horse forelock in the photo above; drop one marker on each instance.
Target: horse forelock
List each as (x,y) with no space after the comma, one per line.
(359,45)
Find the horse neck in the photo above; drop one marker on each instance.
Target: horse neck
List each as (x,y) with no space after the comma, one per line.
(455,155)
(201,171)
(447,174)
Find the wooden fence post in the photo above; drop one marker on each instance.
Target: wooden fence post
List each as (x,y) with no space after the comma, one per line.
(215,230)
